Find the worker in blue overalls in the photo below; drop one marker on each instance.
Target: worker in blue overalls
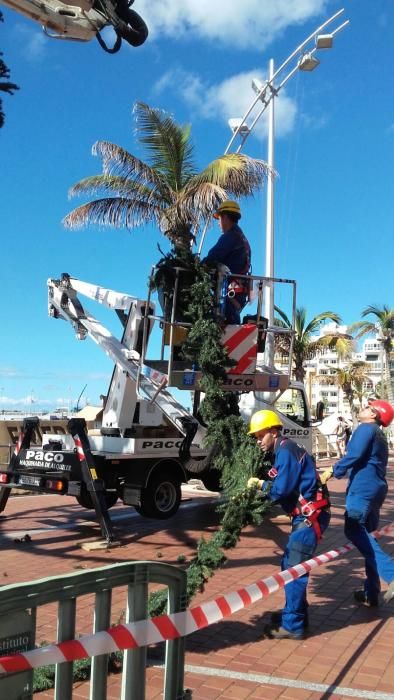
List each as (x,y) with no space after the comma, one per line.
(365,461)
(232,250)
(297,488)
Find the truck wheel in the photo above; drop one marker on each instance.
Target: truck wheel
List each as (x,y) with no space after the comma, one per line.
(161,498)
(85,499)
(211,480)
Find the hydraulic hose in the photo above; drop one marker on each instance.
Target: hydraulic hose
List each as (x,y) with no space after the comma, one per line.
(130,26)
(191,464)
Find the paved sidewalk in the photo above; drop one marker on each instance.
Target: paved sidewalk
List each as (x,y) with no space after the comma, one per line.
(349,651)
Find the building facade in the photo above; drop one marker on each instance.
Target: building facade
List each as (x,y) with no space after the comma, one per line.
(322,369)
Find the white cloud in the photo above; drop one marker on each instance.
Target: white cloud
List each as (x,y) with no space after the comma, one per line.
(246,23)
(8,372)
(33,41)
(230,98)
(314,123)
(29,400)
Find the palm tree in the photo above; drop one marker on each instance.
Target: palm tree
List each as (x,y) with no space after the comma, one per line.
(351,379)
(168,190)
(384,327)
(306,345)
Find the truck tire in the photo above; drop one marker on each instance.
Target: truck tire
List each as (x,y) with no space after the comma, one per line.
(85,499)
(211,480)
(161,497)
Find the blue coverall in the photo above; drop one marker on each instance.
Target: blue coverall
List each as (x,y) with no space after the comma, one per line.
(366,458)
(296,475)
(233,250)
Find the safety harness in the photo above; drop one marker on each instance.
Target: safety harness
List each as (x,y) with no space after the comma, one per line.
(310,510)
(241,286)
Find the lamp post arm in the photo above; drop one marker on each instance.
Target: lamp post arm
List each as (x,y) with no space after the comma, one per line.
(305,42)
(244,118)
(273,92)
(278,71)
(202,239)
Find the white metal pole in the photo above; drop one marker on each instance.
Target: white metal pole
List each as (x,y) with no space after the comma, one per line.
(269,231)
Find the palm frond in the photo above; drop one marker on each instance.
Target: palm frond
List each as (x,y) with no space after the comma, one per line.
(197,203)
(168,143)
(119,162)
(315,322)
(115,212)
(342,343)
(236,173)
(119,186)
(285,320)
(379,311)
(361,328)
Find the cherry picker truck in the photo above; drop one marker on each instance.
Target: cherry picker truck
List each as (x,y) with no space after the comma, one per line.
(149,443)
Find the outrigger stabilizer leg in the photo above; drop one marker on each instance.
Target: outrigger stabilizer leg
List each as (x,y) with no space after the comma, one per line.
(95,486)
(28,427)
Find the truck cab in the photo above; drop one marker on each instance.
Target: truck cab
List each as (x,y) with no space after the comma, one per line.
(292,407)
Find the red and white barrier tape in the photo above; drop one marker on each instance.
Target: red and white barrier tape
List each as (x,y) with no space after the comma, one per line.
(158,629)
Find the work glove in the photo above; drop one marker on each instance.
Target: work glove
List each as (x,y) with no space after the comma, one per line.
(326,475)
(255,483)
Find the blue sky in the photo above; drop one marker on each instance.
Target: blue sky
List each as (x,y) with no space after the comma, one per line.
(334,148)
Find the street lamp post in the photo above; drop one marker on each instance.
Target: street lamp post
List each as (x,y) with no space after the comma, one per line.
(305,60)
(269,225)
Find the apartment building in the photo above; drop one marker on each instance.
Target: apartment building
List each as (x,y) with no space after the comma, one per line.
(320,369)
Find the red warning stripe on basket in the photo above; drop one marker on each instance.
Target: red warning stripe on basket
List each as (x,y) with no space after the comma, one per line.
(241,345)
(232,339)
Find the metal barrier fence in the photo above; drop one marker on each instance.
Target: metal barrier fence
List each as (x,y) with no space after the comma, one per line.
(66,589)
(324,446)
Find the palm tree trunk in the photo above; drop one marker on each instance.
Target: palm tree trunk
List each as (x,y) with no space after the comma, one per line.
(299,372)
(387,377)
(348,391)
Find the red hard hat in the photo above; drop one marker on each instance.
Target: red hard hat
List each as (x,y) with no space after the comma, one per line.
(384,410)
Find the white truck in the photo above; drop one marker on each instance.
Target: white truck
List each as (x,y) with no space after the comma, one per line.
(149,443)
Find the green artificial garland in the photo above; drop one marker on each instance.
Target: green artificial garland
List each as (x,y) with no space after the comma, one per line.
(238,456)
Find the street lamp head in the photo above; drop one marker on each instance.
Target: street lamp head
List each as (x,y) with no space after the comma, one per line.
(308,62)
(324,41)
(259,87)
(236,124)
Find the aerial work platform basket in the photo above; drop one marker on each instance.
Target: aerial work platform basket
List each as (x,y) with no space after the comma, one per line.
(245,343)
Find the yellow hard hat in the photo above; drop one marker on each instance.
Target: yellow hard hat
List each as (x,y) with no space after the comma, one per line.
(262,420)
(228,207)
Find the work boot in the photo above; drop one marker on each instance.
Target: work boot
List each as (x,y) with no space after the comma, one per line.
(389,595)
(360,596)
(275,632)
(276,619)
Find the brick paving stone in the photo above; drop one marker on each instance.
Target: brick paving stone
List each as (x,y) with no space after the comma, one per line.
(266,692)
(235,691)
(385,688)
(265,667)
(296,694)
(290,669)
